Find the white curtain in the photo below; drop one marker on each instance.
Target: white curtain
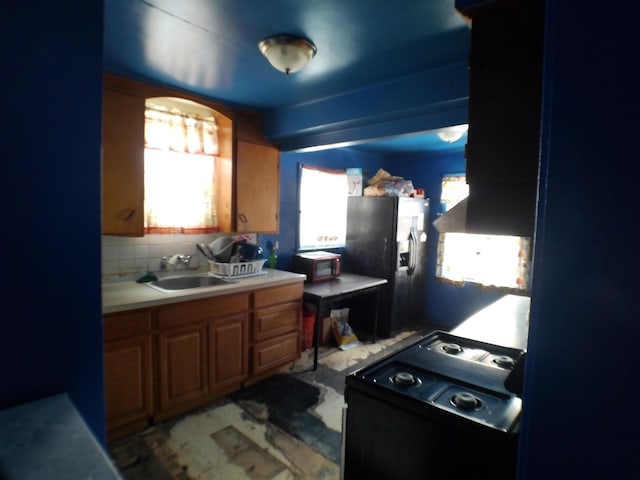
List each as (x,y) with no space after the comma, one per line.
(179,174)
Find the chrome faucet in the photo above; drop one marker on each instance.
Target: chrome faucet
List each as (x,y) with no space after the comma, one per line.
(174,261)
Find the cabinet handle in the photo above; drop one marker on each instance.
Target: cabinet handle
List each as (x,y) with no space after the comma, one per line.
(243,217)
(128,215)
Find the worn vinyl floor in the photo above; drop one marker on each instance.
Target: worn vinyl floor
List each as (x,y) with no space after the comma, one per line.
(285,427)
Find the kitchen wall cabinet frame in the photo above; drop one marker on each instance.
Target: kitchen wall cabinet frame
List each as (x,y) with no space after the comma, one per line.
(123,153)
(247,180)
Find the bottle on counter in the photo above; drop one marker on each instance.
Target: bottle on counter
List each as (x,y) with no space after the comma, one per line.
(273,255)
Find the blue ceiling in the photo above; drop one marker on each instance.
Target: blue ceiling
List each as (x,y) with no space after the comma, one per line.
(364,46)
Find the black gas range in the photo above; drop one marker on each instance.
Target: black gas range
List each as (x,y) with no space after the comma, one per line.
(437,409)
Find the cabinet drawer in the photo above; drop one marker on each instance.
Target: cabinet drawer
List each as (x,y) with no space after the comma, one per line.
(272,296)
(200,310)
(128,324)
(275,352)
(273,321)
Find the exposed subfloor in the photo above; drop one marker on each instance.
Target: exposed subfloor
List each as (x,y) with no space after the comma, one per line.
(285,427)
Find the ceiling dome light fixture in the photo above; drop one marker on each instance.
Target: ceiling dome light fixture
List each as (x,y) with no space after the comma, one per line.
(287,53)
(452,134)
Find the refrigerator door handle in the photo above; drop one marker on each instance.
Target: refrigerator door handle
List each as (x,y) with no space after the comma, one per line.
(413,246)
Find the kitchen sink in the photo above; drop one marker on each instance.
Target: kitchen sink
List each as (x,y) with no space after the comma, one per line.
(183,283)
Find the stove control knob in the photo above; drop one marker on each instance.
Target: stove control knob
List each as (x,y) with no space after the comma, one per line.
(404,379)
(466,401)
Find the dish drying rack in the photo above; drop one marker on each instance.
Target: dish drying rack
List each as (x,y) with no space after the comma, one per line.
(237,269)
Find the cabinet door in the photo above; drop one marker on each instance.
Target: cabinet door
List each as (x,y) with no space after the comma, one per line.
(257,183)
(228,351)
(127,371)
(505,85)
(183,366)
(123,164)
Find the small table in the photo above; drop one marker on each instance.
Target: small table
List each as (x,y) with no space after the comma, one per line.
(347,285)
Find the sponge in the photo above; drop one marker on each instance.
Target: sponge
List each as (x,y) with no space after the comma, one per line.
(147,277)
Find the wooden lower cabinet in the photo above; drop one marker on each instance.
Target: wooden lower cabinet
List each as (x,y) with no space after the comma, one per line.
(182,356)
(196,362)
(228,351)
(128,381)
(166,360)
(127,372)
(277,327)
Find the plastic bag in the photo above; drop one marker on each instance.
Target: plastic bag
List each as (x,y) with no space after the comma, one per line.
(342,330)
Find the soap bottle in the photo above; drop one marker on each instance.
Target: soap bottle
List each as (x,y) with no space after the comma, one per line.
(273,255)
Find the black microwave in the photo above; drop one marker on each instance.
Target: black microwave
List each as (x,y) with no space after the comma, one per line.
(317,266)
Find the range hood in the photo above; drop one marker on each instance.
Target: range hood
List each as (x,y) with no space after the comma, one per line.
(493,209)
(505,98)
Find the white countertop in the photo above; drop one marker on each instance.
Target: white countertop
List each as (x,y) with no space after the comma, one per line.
(48,438)
(121,296)
(505,322)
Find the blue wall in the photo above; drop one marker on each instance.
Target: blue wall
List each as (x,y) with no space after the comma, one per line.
(445,305)
(584,336)
(289,165)
(51,340)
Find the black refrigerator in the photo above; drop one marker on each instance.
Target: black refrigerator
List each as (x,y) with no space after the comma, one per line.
(387,238)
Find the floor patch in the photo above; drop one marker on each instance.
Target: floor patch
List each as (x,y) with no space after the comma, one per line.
(288,402)
(241,450)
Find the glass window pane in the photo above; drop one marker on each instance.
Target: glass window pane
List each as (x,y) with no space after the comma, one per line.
(323,208)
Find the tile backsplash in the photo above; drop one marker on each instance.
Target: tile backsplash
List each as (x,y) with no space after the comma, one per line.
(128,258)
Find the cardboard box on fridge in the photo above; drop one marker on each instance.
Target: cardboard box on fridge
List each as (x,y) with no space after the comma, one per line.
(354,179)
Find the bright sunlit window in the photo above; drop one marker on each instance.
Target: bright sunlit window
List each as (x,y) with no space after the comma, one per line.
(323,208)
(491,260)
(179,167)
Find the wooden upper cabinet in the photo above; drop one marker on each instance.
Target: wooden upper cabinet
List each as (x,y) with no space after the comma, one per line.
(122,163)
(505,93)
(505,85)
(257,188)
